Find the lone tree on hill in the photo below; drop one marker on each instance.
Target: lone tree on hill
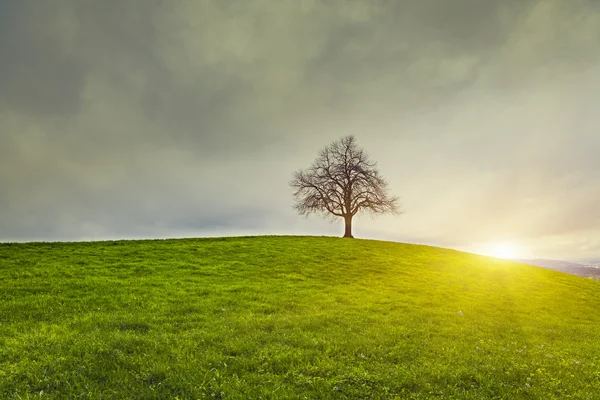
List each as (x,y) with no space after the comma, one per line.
(341,182)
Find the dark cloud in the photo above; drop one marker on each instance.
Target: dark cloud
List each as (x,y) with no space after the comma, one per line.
(160,118)
(37,75)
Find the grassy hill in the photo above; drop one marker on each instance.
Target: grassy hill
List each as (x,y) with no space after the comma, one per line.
(290,317)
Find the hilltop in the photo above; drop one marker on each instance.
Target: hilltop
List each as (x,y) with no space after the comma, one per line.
(290,317)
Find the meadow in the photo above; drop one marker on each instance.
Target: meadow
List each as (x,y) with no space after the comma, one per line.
(290,317)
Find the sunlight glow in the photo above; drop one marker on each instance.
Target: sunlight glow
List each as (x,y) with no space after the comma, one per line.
(503,250)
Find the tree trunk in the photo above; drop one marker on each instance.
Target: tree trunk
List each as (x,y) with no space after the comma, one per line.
(348,226)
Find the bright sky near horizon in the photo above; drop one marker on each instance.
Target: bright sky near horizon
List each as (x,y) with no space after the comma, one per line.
(187,118)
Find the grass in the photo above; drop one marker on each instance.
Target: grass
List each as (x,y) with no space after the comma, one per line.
(290,317)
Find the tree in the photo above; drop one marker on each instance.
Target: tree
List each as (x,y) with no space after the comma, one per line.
(342,182)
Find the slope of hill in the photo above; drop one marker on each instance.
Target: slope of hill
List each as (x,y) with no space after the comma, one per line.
(584,271)
(290,317)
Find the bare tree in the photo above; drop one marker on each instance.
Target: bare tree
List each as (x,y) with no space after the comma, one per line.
(342,182)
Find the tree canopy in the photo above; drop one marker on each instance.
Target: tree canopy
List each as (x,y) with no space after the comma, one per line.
(342,182)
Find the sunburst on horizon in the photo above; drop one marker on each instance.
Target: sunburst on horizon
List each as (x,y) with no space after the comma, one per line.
(505,250)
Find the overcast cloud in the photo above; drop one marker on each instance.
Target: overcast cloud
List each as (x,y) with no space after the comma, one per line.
(131,119)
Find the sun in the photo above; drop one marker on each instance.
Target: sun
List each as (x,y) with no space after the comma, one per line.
(503,250)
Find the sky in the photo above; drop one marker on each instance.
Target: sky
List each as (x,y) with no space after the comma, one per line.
(179,118)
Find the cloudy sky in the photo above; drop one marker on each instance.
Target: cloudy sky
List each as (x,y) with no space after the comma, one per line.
(136,119)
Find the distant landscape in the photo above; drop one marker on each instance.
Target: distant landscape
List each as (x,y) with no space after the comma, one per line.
(591,270)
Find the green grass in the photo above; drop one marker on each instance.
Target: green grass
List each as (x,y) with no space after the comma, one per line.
(290,317)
